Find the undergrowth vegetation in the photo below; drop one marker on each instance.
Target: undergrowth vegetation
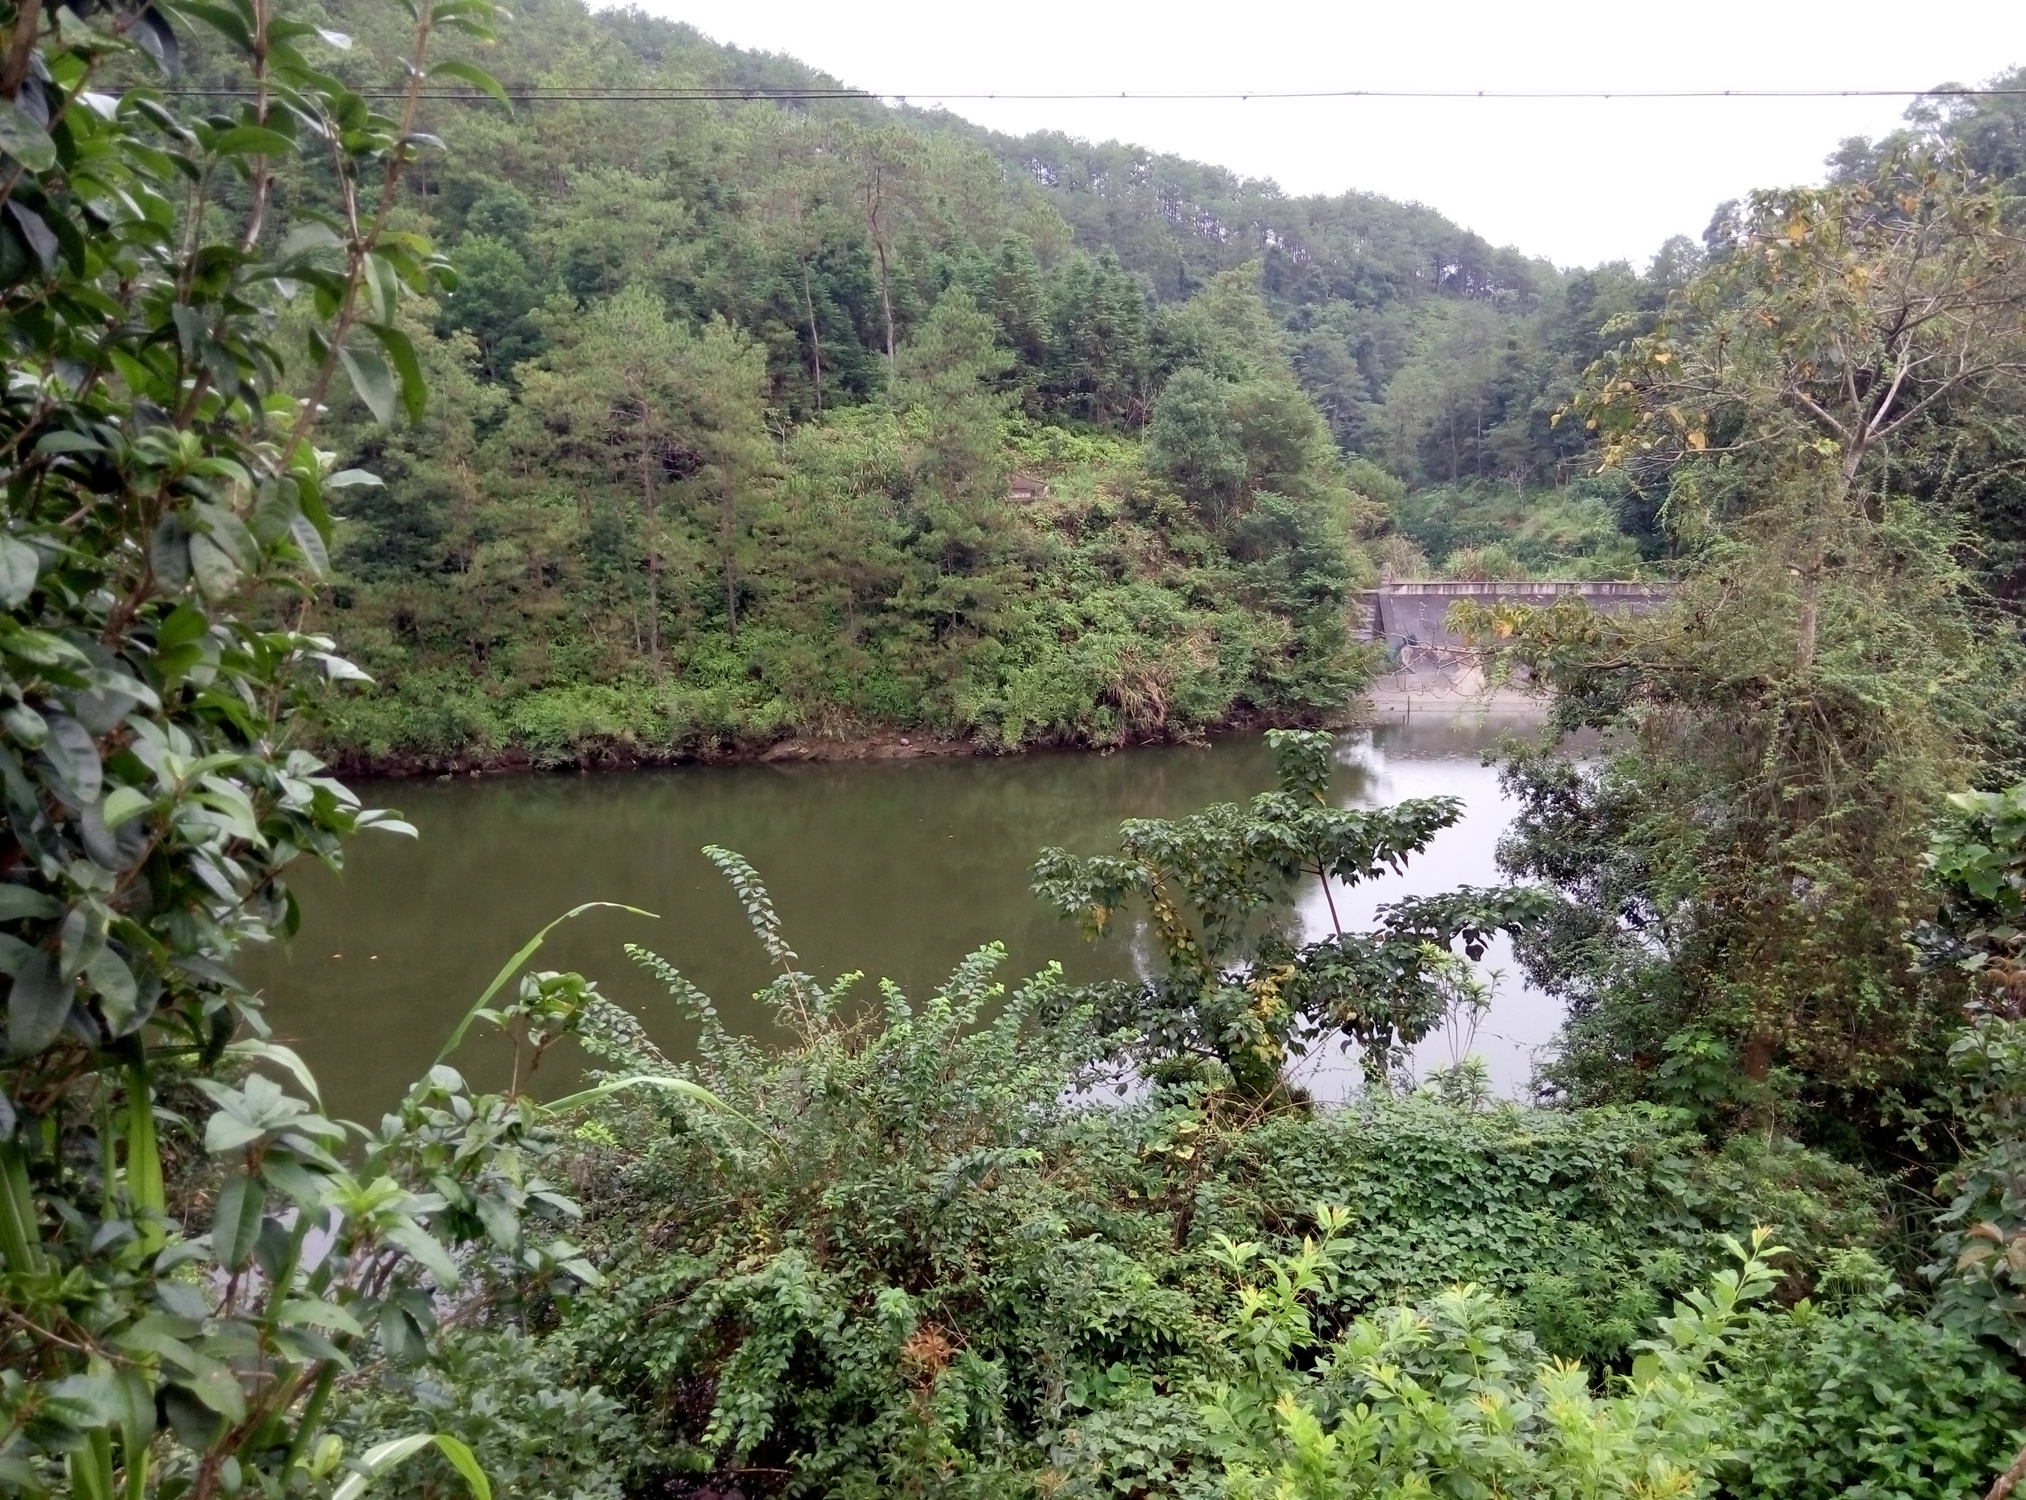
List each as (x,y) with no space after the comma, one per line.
(922,1249)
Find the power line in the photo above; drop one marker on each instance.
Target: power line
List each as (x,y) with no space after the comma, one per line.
(725,94)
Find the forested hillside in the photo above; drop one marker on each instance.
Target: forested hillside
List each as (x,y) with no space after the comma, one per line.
(787,419)
(766,420)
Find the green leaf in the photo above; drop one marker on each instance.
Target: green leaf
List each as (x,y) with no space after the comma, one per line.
(125,802)
(216,574)
(54,443)
(307,1312)
(377,1460)
(82,939)
(285,1057)
(414,389)
(18,901)
(169,553)
(185,623)
(26,141)
(217,1387)
(37,1004)
(304,532)
(466,1463)
(235,1223)
(151,29)
(513,966)
(307,236)
(346,479)
(18,567)
(119,996)
(426,1249)
(36,232)
(222,19)
(252,140)
(692,1091)
(372,379)
(478,78)
(74,755)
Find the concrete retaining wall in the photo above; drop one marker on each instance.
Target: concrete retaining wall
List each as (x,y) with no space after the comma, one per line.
(1414,613)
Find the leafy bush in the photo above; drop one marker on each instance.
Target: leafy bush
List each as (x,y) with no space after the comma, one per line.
(912,1250)
(1448,1397)
(854,1269)
(1585,1221)
(1868,1404)
(535,1428)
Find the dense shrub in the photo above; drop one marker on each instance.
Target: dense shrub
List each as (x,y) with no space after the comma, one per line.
(534,1427)
(913,1250)
(1871,1405)
(1447,1398)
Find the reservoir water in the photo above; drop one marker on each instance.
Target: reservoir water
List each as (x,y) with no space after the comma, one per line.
(895,868)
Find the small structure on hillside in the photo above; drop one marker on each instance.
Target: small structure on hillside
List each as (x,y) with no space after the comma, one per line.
(1416,613)
(1026,486)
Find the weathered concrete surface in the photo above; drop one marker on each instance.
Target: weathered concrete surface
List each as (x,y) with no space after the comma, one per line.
(1416,613)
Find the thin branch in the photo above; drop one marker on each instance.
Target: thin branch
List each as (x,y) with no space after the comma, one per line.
(22,49)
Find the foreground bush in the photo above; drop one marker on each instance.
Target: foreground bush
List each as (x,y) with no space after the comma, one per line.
(913,1250)
(1864,1403)
(1446,1398)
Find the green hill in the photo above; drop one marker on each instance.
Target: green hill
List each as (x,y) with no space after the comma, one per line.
(730,396)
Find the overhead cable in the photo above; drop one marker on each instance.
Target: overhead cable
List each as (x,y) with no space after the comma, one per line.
(727,94)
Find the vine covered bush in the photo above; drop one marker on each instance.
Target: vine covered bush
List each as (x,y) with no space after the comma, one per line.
(921,1246)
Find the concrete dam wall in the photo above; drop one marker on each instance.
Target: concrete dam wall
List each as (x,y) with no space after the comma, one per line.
(1416,613)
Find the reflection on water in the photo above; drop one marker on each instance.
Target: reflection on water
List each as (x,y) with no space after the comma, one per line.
(894,868)
(1429,757)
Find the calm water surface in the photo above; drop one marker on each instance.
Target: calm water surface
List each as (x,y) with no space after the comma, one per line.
(894,868)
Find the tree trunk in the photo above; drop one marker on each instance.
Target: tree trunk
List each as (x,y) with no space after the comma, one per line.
(653,558)
(1811,616)
(726,518)
(815,338)
(1811,588)
(1758,1059)
(886,306)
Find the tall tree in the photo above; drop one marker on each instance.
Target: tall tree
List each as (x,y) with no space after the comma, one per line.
(1742,871)
(886,162)
(1831,323)
(723,452)
(609,409)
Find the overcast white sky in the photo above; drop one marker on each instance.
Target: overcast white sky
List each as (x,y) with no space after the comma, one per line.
(1579,182)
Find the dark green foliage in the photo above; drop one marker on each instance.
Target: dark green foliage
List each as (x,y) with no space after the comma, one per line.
(497,293)
(191,1254)
(1979,1269)
(905,1253)
(1239,992)
(511,605)
(1865,1403)
(1580,531)
(1584,1222)
(536,1429)
(1741,869)
(1195,446)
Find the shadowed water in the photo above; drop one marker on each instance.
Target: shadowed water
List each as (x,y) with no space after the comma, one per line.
(895,868)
